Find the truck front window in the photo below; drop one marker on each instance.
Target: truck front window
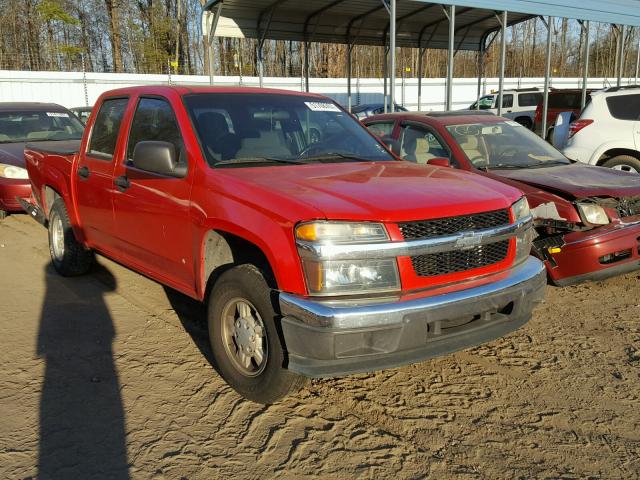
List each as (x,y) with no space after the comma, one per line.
(241,126)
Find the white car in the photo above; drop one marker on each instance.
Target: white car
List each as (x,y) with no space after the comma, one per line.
(519,105)
(608,130)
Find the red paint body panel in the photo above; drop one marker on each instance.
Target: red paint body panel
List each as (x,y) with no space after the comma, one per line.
(159,225)
(560,185)
(10,189)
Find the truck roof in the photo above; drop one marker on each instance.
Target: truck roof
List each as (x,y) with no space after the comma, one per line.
(188,89)
(29,106)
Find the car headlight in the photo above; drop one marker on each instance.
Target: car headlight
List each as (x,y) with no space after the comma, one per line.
(524,239)
(521,209)
(347,277)
(592,213)
(11,171)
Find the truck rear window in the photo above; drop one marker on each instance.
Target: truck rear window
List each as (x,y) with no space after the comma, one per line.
(240,128)
(104,134)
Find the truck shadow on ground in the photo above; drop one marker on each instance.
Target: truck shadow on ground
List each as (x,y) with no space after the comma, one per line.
(82,422)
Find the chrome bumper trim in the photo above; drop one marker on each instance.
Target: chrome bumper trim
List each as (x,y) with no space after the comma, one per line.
(373,251)
(530,276)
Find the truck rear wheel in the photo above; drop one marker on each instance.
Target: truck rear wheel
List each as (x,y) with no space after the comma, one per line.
(69,257)
(244,337)
(626,163)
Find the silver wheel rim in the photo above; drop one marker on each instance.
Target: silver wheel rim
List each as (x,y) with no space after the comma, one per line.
(625,168)
(57,237)
(244,337)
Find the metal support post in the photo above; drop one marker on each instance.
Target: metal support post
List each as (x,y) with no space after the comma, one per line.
(585,62)
(503,53)
(306,66)
(637,64)
(451,16)
(385,75)
(392,48)
(420,60)
(621,35)
(349,48)
(480,74)
(547,76)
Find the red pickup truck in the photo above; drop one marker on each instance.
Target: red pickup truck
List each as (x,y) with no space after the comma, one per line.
(319,252)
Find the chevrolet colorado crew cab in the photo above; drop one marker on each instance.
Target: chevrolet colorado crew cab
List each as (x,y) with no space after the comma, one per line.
(318,251)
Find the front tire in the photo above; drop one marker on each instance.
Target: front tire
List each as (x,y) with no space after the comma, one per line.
(69,257)
(625,163)
(244,337)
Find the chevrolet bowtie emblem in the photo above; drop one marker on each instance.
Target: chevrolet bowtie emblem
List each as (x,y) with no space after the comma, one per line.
(468,240)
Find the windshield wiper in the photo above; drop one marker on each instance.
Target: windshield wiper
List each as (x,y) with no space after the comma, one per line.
(503,166)
(237,161)
(334,155)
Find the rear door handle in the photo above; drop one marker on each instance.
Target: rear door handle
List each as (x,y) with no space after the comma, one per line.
(83,172)
(122,183)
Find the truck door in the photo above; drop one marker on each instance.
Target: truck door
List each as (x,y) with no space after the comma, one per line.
(94,175)
(151,210)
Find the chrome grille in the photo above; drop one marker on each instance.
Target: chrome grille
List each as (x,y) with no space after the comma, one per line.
(434,264)
(451,225)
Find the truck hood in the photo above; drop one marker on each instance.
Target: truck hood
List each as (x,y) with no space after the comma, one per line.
(12,154)
(577,180)
(381,191)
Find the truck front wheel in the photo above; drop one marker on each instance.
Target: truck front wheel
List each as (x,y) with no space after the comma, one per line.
(69,257)
(246,345)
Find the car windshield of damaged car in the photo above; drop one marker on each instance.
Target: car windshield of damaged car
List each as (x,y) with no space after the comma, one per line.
(253,129)
(504,145)
(35,126)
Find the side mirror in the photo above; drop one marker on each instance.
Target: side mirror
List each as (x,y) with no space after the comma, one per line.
(390,142)
(439,162)
(158,157)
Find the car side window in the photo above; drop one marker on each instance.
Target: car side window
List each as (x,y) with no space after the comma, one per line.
(529,99)
(419,145)
(104,134)
(154,120)
(507,101)
(624,107)
(381,129)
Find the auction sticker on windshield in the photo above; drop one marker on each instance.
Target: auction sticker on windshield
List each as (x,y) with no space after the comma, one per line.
(322,106)
(58,114)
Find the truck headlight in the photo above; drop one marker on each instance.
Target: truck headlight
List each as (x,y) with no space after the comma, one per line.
(11,171)
(342,277)
(347,277)
(592,213)
(521,209)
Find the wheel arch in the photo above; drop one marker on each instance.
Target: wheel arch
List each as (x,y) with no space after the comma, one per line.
(614,152)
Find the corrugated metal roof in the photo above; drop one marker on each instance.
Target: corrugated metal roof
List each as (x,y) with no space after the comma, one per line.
(419,23)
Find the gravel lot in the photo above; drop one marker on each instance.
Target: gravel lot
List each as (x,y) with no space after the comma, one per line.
(108,376)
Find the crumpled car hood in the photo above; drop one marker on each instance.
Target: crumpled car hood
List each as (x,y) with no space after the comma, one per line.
(578,180)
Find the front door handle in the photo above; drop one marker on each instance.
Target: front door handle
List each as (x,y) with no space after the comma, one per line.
(122,183)
(83,172)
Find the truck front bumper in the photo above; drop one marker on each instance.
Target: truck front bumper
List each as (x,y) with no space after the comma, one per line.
(335,338)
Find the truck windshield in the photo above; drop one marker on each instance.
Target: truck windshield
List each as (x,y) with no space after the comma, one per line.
(34,126)
(504,145)
(252,129)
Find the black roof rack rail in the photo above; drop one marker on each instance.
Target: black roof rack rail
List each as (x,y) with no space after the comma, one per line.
(621,87)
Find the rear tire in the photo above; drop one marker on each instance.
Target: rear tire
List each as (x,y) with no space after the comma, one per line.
(525,122)
(245,339)
(69,257)
(625,163)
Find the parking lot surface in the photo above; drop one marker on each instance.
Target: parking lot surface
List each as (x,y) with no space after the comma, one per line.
(109,376)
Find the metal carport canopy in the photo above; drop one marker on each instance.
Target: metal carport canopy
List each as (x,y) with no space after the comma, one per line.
(419,22)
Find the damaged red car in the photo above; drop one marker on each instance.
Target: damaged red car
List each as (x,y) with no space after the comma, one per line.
(587,218)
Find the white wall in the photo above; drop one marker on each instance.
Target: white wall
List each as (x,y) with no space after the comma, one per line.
(68,88)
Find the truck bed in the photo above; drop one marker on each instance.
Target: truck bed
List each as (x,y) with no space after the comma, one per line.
(59,147)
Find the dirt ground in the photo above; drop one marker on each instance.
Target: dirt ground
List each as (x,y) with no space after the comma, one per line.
(109,376)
